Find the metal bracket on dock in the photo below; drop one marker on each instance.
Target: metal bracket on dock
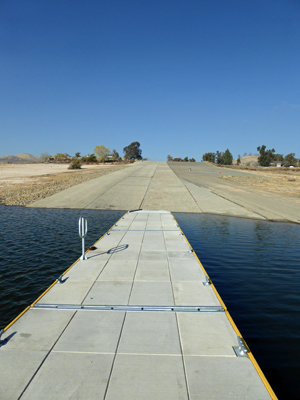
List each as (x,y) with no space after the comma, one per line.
(207,281)
(130,308)
(240,350)
(60,279)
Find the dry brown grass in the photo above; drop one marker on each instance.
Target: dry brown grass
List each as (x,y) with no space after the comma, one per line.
(273,180)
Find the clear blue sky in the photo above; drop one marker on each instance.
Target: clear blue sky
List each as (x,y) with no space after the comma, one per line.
(182,77)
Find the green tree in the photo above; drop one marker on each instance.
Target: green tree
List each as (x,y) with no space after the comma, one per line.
(133,151)
(115,155)
(102,152)
(186,159)
(266,156)
(192,160)
(238,161)
(278,157)
(290,159)
(209,157)
(219,158)
(227,157)
(77,155)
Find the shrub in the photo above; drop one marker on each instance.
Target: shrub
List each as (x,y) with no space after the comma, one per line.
(75,164)
(91,158)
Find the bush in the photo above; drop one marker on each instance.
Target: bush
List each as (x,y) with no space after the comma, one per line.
(91,158)
(75,164)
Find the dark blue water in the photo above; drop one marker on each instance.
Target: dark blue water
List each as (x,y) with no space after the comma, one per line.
(253,264)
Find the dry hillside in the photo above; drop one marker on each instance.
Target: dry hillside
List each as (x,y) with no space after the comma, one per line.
(19,158)
(248,160)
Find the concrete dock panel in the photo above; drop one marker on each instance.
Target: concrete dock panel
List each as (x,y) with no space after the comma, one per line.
(92,332)
(147,377)
(16,371)
(150,333)
(226,378)
(66,293)
(71,376)
(156,271)
(38,330)
(206,334)
(109,292)
(152,294)
(193,294)
(123,270)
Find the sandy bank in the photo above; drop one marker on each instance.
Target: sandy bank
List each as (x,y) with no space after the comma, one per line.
(22,184)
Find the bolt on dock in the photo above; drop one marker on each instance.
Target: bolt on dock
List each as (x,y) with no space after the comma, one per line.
(139,318)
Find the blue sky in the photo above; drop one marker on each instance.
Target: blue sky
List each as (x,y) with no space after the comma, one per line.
(181,77)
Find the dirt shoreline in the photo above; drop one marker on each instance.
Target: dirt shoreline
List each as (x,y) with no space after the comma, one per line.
(23,184)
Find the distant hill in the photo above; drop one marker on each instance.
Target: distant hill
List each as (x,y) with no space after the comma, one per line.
(248,160)
(19,158)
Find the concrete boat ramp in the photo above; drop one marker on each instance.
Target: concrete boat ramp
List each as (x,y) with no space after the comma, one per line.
(176,187)
(139,319)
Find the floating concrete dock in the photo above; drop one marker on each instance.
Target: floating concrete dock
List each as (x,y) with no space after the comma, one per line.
(139,319)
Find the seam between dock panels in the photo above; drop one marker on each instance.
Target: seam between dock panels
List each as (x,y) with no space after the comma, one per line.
(133,278)
(114,358)
(177,323)
(124,319)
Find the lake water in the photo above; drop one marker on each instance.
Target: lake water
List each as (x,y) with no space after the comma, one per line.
(253,264)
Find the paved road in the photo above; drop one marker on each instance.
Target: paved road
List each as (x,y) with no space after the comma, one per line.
(173,187)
